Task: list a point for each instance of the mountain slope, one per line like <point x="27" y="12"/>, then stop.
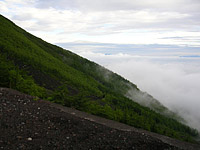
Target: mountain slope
<point x="43" y="125"/>
<point x="36" y="67"/>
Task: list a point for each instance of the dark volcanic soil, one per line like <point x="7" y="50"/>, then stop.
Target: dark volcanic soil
<point x="29" y="124"/>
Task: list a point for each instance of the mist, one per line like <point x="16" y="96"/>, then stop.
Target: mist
<point x="174" y="81"/>
<point x="171" y="84"/>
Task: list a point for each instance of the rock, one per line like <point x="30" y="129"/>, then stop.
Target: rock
<point x="19" y="137"/>
<point x="29" y="139"/>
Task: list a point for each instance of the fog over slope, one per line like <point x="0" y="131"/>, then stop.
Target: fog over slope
<point x="173" y="80"/>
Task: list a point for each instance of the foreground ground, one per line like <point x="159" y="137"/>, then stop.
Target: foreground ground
<point x="29" y="124"/>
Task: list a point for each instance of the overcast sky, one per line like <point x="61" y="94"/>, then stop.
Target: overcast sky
<point x="108" y="21"/>
<point x="153" y="43"/>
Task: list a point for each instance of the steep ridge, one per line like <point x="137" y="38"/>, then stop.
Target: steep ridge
<point x="33" y="66"/>
<point x="30" y="124"/>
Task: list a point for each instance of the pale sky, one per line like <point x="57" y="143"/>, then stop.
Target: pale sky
<point x="108" y="21"/>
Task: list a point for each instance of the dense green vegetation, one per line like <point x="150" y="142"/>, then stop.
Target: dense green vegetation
<point x="38" y="68"/>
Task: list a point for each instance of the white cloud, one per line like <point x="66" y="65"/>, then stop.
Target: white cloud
<point x="175" y="84"/>
<point x="114" y="21"/>
<point x="168" y="83"/>
<point x="3" y="7"/>
<point x="115" y="5"/>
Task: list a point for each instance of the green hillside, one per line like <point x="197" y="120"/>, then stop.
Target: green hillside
<point x="35" y="67"/>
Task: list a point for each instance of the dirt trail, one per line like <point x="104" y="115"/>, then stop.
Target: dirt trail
<point x="28" y="124"/>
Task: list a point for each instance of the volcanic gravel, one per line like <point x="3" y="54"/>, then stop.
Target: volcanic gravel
<point x="29" y="124"/>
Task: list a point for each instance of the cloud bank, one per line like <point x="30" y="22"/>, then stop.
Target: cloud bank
<point x="175" y="84"/>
